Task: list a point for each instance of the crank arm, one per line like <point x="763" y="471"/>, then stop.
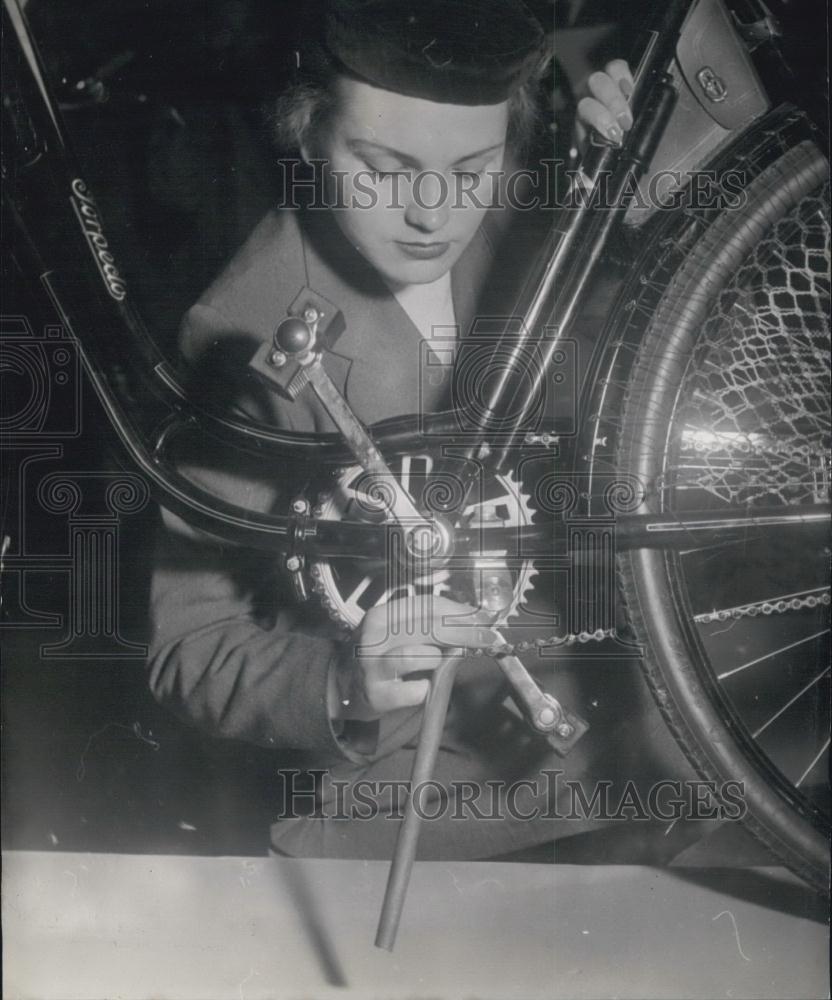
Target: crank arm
<point x="295" y="360"/>
<point x="361" y="444"/>
<point x="544" y="712"/>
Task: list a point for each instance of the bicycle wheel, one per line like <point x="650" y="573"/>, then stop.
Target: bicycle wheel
<point x="728" y="407"/>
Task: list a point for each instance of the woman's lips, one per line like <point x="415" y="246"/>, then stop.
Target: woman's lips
<point x="422" y="251"/>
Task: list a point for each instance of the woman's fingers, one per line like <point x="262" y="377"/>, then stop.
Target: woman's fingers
<point x="400" y="642"/>
<point x="398" y="663"/>
<point x="389" y="696"/>
<point x="389" y="682"/>
<point x="619" y="71"/>
<point x="607" y="91"/>
<point x="607" y="109"/>
<point x="462" y="625"/>
<point x="424" y="621"/>
<point x="595" y="114"/>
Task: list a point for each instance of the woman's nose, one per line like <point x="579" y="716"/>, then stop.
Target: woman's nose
<point x="428" y="209"/>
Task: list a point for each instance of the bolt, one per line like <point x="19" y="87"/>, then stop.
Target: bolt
<point x="293" y="335"/>
<point x="564" y="730"/>
<point x="310" y="314"/>
<point x="300" y="506"/>
<point x="277" y="359"/>
<point x="293" y="564"/>
<point x="545" y="717"/>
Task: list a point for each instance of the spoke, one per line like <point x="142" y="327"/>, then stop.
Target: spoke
<point x="790" y="702"/>
<point x="721" y="546"/>
<point x="774" y="652"/>
<point x="809" y="769"/>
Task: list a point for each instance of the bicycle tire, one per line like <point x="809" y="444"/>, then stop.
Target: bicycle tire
<point x="655" y="585"/>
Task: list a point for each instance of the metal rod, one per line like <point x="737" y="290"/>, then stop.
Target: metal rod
<point x="433" y="725"/>
<point x="671" y="531"/>
<point x="638" y="531"/>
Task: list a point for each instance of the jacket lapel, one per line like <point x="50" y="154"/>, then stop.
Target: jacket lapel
<point x="381" y="361"/>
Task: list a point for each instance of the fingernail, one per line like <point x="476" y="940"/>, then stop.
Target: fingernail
<point x="626" y="88"/>
<point x="615" y="133"/>
<point x="624" y="119"/>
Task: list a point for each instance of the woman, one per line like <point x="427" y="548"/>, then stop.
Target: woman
<point x="408" y="110"/>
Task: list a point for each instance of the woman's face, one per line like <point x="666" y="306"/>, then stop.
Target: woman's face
<point x="410" y="177"/>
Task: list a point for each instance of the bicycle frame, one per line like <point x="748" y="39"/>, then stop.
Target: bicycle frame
<point x="143" y="395"/>
<point x="145" y="400"/>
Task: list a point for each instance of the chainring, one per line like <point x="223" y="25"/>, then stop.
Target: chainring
<point x="348" y="587"/>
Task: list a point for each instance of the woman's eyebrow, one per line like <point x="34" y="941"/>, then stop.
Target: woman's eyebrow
<point x="359" y="145"/>
<point x="479" y="152"/>
<point x="364" y="145"/>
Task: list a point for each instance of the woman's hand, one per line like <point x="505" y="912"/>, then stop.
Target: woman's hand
<point x="395" y="649"/>
<point x="607" y="109"/>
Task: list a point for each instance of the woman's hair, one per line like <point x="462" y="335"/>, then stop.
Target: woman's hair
<point x="303" y="108"/>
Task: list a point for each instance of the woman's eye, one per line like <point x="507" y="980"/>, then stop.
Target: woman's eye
<point x="380" y="175"/>
<point x="468" y="175"/>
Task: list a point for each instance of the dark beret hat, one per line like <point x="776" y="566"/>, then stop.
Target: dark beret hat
<point x="451" y="51"/>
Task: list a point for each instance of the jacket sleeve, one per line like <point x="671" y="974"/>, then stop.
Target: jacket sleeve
<point x="228" y="652"/>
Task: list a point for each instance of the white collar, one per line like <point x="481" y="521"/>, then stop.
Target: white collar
<point x="430" y="306"/>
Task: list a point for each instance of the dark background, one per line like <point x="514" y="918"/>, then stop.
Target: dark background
<point x="167" y="104"/>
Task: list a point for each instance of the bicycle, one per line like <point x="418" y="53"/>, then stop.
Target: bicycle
<point x="702" y="424"/>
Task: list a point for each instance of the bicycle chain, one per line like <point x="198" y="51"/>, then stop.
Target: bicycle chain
<point x="765" y="608"/>
<point x="510" y="649"/>
<point x="752" y="610"/>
